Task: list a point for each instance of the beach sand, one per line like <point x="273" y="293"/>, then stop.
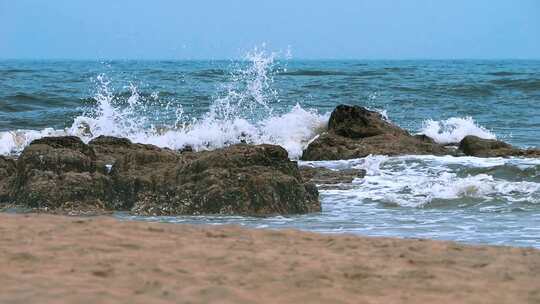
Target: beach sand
<point x="55" y="259"/>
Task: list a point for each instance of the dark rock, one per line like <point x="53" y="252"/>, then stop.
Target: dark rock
<point x="355" y="132"/>
<point x="63" y="173"/>
<point x="424" y="138"/>
<point x="54" y="172"/>
<point x="240" y="179"/>
<point x="326" y="178"/>
<point x="186" y="149"/>
<point x="7" y="176"/>
<point x="142" y="169"/>
<point x="109" y="150"/>
<point x="359" y="122"/>
<point x="476" y="146"/>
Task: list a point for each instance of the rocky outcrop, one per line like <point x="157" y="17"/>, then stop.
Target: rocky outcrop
<point x="240" y="179"/>
<point x="7" y="175"/>
<point x="355" y="132"/>
<point x="60" y="173"/>
<point x="476" y="146"/>
<point x="109" y="150"/>
<point x="326" y="178"/>
<point x="359" y="122"/>
<point x="63" y="173"/>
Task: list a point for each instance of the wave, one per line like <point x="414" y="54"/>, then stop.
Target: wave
<point x="315" y="73"/>
<point x="292" y="130"/>
<point x="243" y="112"/>
<point x="438" y="181"/>
<point x="504" y="73"/>
<point x="311" y="73"/>
<point x="21" y="102"/>
<point x="210" y="73"/>
<point x="507" y="171"/>
<point x="463" y="89"/>
<point x="23" y="97"/>
<point x="9" y="71"/>
<point x="453" y="130"/>
<point x="472" y="90"/>
<point x="519" y="84"/>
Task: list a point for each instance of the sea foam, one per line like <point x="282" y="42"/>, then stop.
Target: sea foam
<point x="242" y="112"/>
<point x="420" y="181"/>
<point x="454" y="129"/>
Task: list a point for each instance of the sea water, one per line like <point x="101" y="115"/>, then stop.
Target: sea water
<point x="266" y="98"/>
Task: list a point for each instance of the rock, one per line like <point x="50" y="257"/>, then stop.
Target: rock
<point x="330" y="146"/>
<point x="240" y="179"/>
<point x="326" y="178"/>
<point x="59" y="173"/>
<point x="7" y="176"/>
<point x="109" y="150"/>
<point x="476" y="146"/>
<point x="63" y="173"/>
<point x="355" y="132"/>
<point x="141" y="169"/>
<point x="359" y="122"/>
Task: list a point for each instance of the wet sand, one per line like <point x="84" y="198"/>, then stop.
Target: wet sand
<point x="55" y="259"/>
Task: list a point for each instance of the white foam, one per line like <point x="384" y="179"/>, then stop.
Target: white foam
<point x="13" y="142"/>
<point x="454" y="129"/>
<point x="242" y="113"/>
<point x="417" y="181"/>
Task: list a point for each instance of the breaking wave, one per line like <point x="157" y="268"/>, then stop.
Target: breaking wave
<point x="242" y="112"/>
<point x="454" y="129"/>
<point x="424" y="181"/>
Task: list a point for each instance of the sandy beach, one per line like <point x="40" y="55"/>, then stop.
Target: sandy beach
<point x="56" y="259"/>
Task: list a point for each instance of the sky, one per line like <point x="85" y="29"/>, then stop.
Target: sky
<point x="309" y="29"/>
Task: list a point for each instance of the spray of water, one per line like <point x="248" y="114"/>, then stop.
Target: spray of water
<point x="241" y="112"/>
<point x="454" y="129"/>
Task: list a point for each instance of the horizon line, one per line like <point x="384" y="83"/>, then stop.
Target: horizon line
<point x="277" y="59"/>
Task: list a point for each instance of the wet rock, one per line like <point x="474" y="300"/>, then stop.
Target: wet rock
<point x="142" y="169"/>
<point x="476" y="146"/>
<point x="355" y="132"/>
<point x="186" y="149"/>
<point x="326" y="178"/>
<point x="63" y="173"/>
<point x="424" y="138"/>
<point x="7" y="176"/>
<point x="55" y="172"/>
<point x="358" y="122"/>
<point x="109" y="150"/>
<point x="240" y="179"/>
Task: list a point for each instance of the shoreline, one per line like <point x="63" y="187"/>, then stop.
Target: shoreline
<point x="49" y="258"/>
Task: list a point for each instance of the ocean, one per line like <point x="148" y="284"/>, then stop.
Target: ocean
<point x="267" y="99"/>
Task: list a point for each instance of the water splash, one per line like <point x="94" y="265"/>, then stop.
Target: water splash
<point x="454" y="129"/>
<point x="241" y="112"/>
<point x="420" y="181"/>
<point x="250" y="93"/>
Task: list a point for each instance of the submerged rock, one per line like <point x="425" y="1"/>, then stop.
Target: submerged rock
<point x="59" y="173"/>
<point x="355" y="132"/>
<point x="476" y="146"/>
<point x="326" y="178"/>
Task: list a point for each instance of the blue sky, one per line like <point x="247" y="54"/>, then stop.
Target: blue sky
<point x="204" y="29"/>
